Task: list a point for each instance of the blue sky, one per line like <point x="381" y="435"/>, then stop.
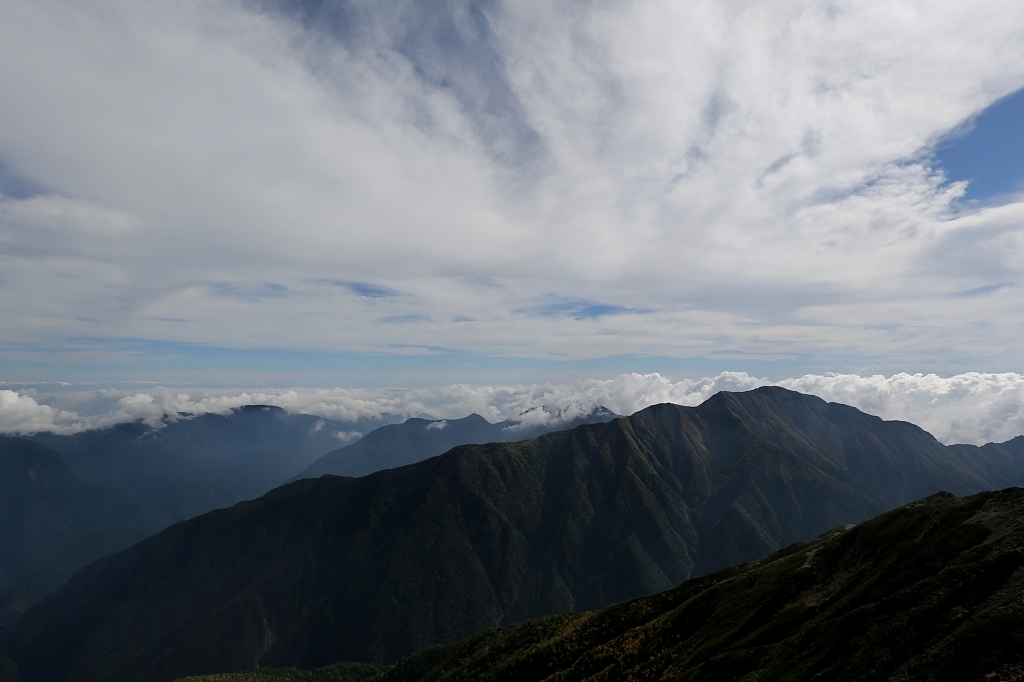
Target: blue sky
<point x="419" y="194"/>
<point x="988" y="151"/>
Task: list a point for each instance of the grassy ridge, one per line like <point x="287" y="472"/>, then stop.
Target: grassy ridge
<point x="931" y="591"/>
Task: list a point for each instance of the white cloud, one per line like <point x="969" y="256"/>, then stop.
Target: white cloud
<point x="22" y="414"/>
<point x="966" y="408"/>
<point x="720" y="175"/>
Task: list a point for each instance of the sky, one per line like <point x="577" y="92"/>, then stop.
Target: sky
<point x="365" y="195"/>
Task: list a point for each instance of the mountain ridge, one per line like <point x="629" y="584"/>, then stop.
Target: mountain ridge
<point x="416" y="439"/>
<point x="377" y="567"/>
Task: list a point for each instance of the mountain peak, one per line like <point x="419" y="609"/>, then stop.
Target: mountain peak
<point x="258" y="408"/>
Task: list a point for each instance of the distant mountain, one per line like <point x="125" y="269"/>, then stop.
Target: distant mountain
<point x="131" y="480"/>
<point x="372" y="569"/>
<point x="43" y="579"/>
<point x="1002" y="462"/>
<point x="47" y="504"/>
<point x="415" y="440"/>
<point x="191" y="465"/>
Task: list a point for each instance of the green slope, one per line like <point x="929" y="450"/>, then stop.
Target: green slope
<point x="339" y="672"/>
<point x="931" y="591"/>
<point x="373" y="569"/>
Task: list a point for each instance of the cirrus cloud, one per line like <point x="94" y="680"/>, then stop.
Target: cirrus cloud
<point x="575" y="180"/>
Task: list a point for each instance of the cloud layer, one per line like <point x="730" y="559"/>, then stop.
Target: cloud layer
<point x="967" y="408"/>
<point x="510" y="179"/>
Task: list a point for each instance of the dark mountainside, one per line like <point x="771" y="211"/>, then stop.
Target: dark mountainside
<point x="339" y="672"/>
<point x="375" y="568"/>
<point x="931" y="591"/>
<point x="418" y="439"/>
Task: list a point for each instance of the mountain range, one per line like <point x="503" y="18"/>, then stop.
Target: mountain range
<point x="373" y="569"/>
<point x="188" y="466"/>
<point x="414" y="440"/>
<point x="67" y="500"/>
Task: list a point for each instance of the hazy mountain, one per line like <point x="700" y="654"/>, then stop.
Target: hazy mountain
<point x="81" y="496"/>
<point x="396" y="445"/>
<point x="55" y="518"/>
<point x="47" y="504"/>
<point x="375" y="568"/>
<point x="25" y="591"/>
<point x="192" y="465"/>
<point x="996" y="461"/>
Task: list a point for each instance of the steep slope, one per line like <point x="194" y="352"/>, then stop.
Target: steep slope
<point x="190" y="466"/>
<point x="932" y="591"/>
<point x="372" y="569"/>
<point x="415" y="440"/>
<point x="47" y="504"/>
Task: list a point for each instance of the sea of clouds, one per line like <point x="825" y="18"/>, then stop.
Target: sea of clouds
<point x="966" y="408"/>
